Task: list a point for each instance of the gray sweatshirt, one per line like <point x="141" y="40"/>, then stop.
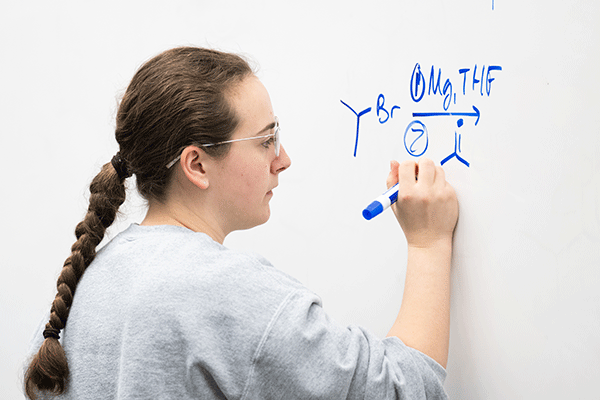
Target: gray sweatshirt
<point x="167" y="313"/>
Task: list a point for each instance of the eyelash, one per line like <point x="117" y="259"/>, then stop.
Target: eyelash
<point x="267" y="143"/>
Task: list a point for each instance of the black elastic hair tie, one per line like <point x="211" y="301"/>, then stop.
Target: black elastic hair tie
<point x="51" y="333"/>
<point x="120" y="166"/>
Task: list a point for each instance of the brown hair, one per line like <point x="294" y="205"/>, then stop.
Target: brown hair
<point x="176" y="99"/>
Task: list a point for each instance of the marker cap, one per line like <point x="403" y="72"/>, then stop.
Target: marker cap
<point x="372" y="210"/>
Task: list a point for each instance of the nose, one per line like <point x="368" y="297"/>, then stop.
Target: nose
<point x="282" y="162"/>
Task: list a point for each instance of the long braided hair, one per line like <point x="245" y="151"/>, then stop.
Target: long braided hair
<point x="176" y="99"/>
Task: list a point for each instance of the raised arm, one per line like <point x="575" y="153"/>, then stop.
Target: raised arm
<point x="427" y="210"/>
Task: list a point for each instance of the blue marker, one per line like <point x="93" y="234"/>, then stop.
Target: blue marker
<point x="381" y="203"/>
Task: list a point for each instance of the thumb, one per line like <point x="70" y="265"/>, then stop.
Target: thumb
<point x="392" y="178"/>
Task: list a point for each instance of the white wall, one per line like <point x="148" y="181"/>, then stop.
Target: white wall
<point x="526" y="269"/>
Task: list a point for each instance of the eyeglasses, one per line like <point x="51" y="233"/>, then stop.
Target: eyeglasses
<point x="275" y="135"/>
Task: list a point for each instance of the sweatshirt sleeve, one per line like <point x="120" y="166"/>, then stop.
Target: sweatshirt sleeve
<point x="304" y="354"/>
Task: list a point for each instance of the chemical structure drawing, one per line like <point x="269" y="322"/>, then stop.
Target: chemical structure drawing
<point x="457" y="147"/>
<point x="476" y="80"/>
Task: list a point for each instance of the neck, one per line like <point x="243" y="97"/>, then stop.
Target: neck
<point x="173" y="214"/>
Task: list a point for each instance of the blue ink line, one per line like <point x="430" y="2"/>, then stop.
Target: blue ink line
<point x="458" y="114"/>
<point x="412" y="151"/>
<point x="455" y="154"/>
<point x="358" y="115"/>
<point x="464" y="71"/>
<point x="414" y="86"/>
<point x="423" y="130"/>
<point x="380" y="106"/>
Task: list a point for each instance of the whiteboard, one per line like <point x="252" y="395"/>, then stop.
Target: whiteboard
<point x="508" y="87"/>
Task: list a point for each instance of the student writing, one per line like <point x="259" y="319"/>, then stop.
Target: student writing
<point x="164" y="310"/>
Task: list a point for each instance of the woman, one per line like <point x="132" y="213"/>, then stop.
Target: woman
<point x="166" y="311"/>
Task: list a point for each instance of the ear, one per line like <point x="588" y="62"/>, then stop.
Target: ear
<point x="192" y="163"/>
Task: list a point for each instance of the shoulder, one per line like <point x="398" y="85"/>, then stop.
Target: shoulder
<point x="175" y="267"/>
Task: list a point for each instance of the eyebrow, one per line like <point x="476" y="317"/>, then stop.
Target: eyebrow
<point x="266" y="128"/>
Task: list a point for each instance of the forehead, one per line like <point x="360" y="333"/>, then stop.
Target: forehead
<point x="252" y="105"/>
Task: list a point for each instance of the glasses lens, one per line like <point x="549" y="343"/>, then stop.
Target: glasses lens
<point x="277" y="140"/>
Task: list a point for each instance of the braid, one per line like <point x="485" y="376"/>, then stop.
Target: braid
<point x="178" y="98"/>
<point x="49" y="370"/>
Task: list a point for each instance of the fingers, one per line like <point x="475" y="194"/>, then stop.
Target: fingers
<point x="427" y="171"/>
<point x="440" y="176"/>
<point x="407" y="172"/>
<point x="427" y="209"/>
<point x="392" y="178"/>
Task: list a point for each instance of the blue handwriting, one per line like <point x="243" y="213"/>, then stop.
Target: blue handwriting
<point x="416" y="137"/>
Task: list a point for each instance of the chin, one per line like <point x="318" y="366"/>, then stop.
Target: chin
<point x="257" y="222"/>
<point x="265" y="218"/>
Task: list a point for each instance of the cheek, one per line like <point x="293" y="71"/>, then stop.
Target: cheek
<point x="253" y="178"/>
<point x="259" y="180"/>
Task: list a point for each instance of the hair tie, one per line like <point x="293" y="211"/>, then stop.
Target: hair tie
<point x="51" y="333"/>
<point x="120" y="166"/>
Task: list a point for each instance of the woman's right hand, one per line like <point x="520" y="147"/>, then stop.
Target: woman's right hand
<point x="427" y="208"/>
